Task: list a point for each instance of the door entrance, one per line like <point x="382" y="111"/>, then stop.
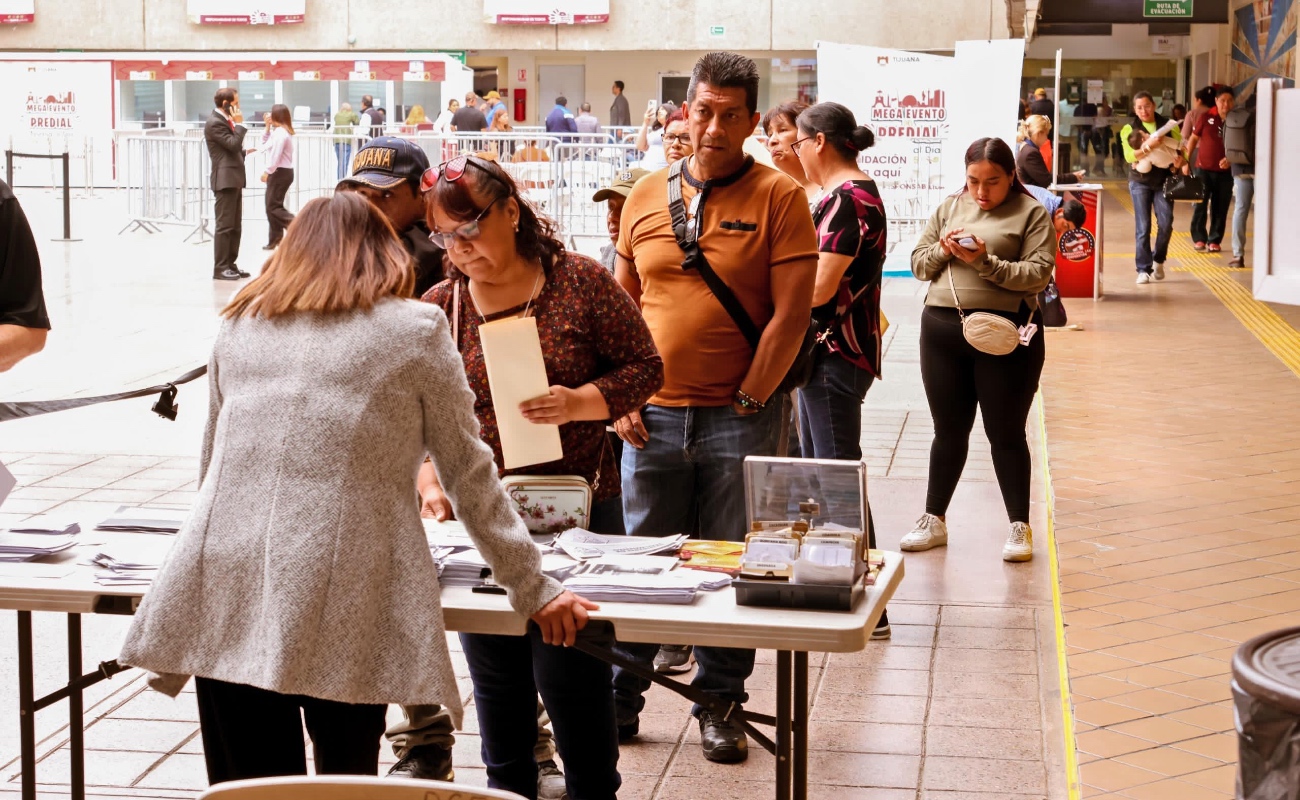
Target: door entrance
<point x="560" y="80"/>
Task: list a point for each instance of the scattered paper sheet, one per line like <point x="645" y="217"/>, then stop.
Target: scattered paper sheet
<point x="512" y="353"/>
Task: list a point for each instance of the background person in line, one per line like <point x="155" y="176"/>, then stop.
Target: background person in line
<point x="561" y="120"/>
<point x="415" y="116"/>
<point x="1011" y="261"/>
<point x="601" y="362"/>
<point x="1215" y="172"/>
<point x="684" y="469"/>
<point x="469" y="118"/>
<point x="677" y="138"/>
<point x="24" y="321"/>
<point x="779" y="127"/>
<point x="277" y="148"/>
<point x="851" y="236"/>
<point x="296" y="465"/>
<point x="224" y="134"/>
<point x="443" y="123"/>
<point x="1147" y="191"/>
<point x="372" y="120"/>
<point x="492" y="105"/>
<point x="586" y="121"/>
<point x="345" y="122"/>
<point x="650" y="139"/>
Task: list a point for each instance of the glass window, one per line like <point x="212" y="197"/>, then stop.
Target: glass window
<point x="308" y="102"/>
<point x="197" y="100"/>
<point x="255" y="98"/>
<point x="792" y="79"/>
<point x="142" y="102"/>
<point x="426" y="94"/>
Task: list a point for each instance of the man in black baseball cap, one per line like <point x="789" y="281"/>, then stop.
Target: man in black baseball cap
<point x="387" y="171"/>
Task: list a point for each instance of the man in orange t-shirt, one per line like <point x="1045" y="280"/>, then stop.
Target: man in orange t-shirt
<point x="683" y="470"/>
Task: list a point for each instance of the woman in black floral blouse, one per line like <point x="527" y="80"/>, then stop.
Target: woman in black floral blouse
<point x="601" y="363"/>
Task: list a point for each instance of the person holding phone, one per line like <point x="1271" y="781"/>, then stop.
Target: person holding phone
<point x="224" y="135"/>
<point x="650" y="140"/>
<point x="989" y="248"/>
<point x="277" y="146"/>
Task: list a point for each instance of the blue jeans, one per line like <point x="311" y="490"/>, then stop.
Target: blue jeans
<point x="1245" y="186"/>
<point x="830" y="408"/>
<point x="689" y="478"/>
<point x="508" y="673"/>
<point x="343" y="150"/>
<point x="1214" y="208"/>
<point x="1144" y="198"/>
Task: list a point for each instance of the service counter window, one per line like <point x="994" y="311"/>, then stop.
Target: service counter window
<point x="255" y="99"/>
<point x="142" y="104"/>
<point x="792" y="79"/>
<point x="408" y="94"/>
<point x="353" y="91"/>
<point x="195" y="100"/>
<point x="309" y="103"/>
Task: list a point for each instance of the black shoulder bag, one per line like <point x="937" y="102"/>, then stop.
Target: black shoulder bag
<point x="800" y="371"/>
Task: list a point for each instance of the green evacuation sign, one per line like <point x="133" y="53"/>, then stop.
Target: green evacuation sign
<point x="1167" y="9"/>
<point x="717" y="30"/>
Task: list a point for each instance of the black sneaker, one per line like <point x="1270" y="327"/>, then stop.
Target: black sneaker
<point x="427" y="762"/>
<point x="722" y="741"/>
<point x="228" y="275"/>
<point x="243" y="274"/>
<point x="550" y="781"/>
<point x="882" y="630"/>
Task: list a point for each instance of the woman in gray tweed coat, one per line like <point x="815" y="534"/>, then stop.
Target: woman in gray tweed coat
<point x="301" y="586"/>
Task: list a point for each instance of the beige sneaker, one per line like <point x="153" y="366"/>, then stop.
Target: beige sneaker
<point x="930" y="531"/>
<point x="1020" y="543"/>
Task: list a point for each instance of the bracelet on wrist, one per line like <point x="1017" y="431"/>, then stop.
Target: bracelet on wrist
<point x="747" y="402"/>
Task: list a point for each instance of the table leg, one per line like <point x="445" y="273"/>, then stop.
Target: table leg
<point x="26" y="705"/>
<point x="783" y="693"/>
<point x="800" y="746"/>
<point x="76" y="715"/>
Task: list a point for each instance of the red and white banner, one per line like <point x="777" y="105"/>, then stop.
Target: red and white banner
<point x="13" y="12"/>
<point x="246" y="12"/>
<point x="546" y="12"/>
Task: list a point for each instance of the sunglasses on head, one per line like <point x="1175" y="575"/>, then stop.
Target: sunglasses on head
<point x="451" y="171"/>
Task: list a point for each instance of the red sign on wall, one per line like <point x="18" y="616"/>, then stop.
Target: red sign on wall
<point x="280" y="70"/>
<point x="15" y="12"/>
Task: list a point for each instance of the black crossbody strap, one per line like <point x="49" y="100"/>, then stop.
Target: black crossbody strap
<point x="695" y="256"/>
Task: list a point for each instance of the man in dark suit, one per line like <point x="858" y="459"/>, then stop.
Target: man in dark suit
<point x="224" y="136"/>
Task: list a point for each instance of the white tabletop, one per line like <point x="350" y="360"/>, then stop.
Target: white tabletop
<point x="64" y="585"/>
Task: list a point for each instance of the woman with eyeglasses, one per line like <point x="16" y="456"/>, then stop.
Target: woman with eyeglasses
<point x="506" y="261"/>
<point x="677" y="138"/>
<point x="302" y="585"/>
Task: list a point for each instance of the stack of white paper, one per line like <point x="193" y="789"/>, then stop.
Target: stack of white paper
<point x="584" y="545"/>
<point x="462" y="568"/>
<point x="139" y="519"/>
<point x="641" y="579"/>
<point x="31" y="546"/>
<point x="133" y="563"/>
<point x="46" y="524"/>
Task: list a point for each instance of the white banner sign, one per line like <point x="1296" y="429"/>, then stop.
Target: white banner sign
<point x="13" y="12"/>
<point x="546" y="12"/>
<point x="246" y="12"/>
<point x="925" y="110"/>
<point x="60" y="106"/>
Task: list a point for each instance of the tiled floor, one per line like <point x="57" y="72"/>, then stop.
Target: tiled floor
<point x="1173" y="466"/>
<point x="1172" y="458"/>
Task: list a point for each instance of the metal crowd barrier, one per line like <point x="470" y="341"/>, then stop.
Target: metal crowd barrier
<point x="167" y="177"/>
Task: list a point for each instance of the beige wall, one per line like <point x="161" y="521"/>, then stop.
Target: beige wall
<point x="635" y="25"/>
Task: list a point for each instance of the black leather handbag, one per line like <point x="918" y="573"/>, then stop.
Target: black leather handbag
<point x="1188" y="188"/>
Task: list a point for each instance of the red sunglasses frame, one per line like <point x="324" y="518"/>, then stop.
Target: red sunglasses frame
<point x="450" y="170"/>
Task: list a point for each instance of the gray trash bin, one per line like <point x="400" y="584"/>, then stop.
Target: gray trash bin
<point x="1266" y="696"/>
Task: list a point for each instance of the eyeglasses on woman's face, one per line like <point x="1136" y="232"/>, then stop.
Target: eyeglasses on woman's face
<point x="671" y="139"/>
<point x="468" y="232"/>
<point x="798" y="143"/>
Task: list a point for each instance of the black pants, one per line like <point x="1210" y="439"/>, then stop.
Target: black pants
<point x="255" y="733"/>
<point x="229" y="212"/>
<point x="277" y="216"/>
<point x="957" y="378"/>
<point x="508" y="673"/>
<point x="1214" y="208"/>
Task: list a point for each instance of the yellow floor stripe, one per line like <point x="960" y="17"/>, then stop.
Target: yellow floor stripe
<point x="1067" y="706"/>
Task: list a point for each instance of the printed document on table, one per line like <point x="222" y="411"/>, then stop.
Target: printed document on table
<point x="512" y="353"/>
